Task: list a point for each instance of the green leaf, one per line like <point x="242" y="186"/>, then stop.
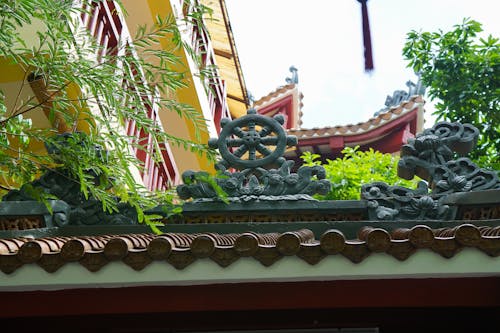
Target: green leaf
<point x="462" y="73"/>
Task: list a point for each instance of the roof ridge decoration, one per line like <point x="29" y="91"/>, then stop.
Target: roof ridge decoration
<point x="291" y="82"/>
<point x="71" y="206"/>
<point x="294" y="79"/>
<point x="399" y="96"/>
<point x="275" y="93"/>
<point x="430" y="155"/>
<point x="252" y="167"/>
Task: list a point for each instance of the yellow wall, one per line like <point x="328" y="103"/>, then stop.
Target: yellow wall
<point x="140" y="12"/>
<point x="143" y="12"/>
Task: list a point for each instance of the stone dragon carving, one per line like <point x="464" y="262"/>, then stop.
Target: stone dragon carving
<point x="431" y="156"/>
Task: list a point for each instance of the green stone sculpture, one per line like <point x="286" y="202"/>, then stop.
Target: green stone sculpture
<point x="431" y="155"/>
<point x="243" y="134"/>
<point x="60" y="184"/>
<point x="253" y="167"/>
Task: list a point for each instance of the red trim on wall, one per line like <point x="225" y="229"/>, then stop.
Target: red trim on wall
<point x="396" y="293"/>
<point x="283" y="106"/>
<point x="391" y="143"/>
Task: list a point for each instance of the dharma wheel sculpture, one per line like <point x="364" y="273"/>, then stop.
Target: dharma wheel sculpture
<point x="252" y="167"/>
<point x="243" y="133"/>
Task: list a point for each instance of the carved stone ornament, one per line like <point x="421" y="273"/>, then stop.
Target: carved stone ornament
<point x="253" y="167"/>
<point x="431" y="156"/>
<point x="395" y="202"/>
<point x="399" y="96"/>
<point x="59" y="183"/>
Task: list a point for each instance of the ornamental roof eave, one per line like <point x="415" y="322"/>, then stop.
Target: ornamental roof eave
<point x="381" y="120"/>
<point x="286" y="100"/>
<point x="278" y="92"/>
<point x="179" y="250"/>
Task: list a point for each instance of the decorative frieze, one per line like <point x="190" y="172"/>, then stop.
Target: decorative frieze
<point x="21" y="223"/>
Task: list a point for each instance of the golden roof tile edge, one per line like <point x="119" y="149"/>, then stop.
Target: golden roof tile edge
<point x="236" y="58"/>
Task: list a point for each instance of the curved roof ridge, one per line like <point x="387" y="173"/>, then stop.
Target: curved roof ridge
<point x="361" y="127"/>
<point x="275" y="93"/>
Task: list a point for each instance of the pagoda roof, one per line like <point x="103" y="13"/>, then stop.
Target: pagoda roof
<point x="286" y="100"/>
<point x="372" y="124"/>
<point x="278" y="92"/>
<point x="385" y="132"/>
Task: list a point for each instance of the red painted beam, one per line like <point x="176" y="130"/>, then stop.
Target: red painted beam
<point x="396" y="293"/>
<point x="395" y="125"/>
<point x="391" y="143"/>
<point x="285" y="104"/>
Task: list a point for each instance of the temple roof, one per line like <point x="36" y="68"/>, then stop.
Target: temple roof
<point x="362" y="127"/>
<point x="180" y="250"/>
<point x="268" y="217"/>
<point x="386" y="132"/>
<point x="275" y="93"/>
<point x="285" y="100"/>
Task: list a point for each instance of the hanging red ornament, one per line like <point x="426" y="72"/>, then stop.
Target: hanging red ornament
<point x="367" y="41"/>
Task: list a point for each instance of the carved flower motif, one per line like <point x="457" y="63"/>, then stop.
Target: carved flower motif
<point x="421" y="207"/>
<point x="275" y="178"/>
<point x="374" y="192"/>
<point x="425" y="203"/>
<point x="455" y="183"/>
<point x="427" y="142"/>
<point x="323" y="186"/>
<point x="183" y="192"/>
<point x="253" y="187"/>
<point x="231" y="184"/>
<point x="386" y="213"/>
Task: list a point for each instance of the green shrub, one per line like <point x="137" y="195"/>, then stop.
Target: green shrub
<point x="356" y="168"/>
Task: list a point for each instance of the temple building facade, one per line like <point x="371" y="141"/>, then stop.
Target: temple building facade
<point x="269" y="257"/>
<point x="219" y="94"/>
<point x="253" y="250"/>
<point x="390" y="127"/>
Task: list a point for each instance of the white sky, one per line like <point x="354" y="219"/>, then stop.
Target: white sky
<point x="323" y="39"/>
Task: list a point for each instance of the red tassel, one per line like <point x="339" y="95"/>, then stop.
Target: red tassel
<point x="367" y="41"/>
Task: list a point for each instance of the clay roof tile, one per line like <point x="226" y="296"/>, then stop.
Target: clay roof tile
<point x="392" y="114"/>
<point x="181" y="249"/>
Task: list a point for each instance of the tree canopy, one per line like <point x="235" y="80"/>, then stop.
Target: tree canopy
<point x="461" y="70"/>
